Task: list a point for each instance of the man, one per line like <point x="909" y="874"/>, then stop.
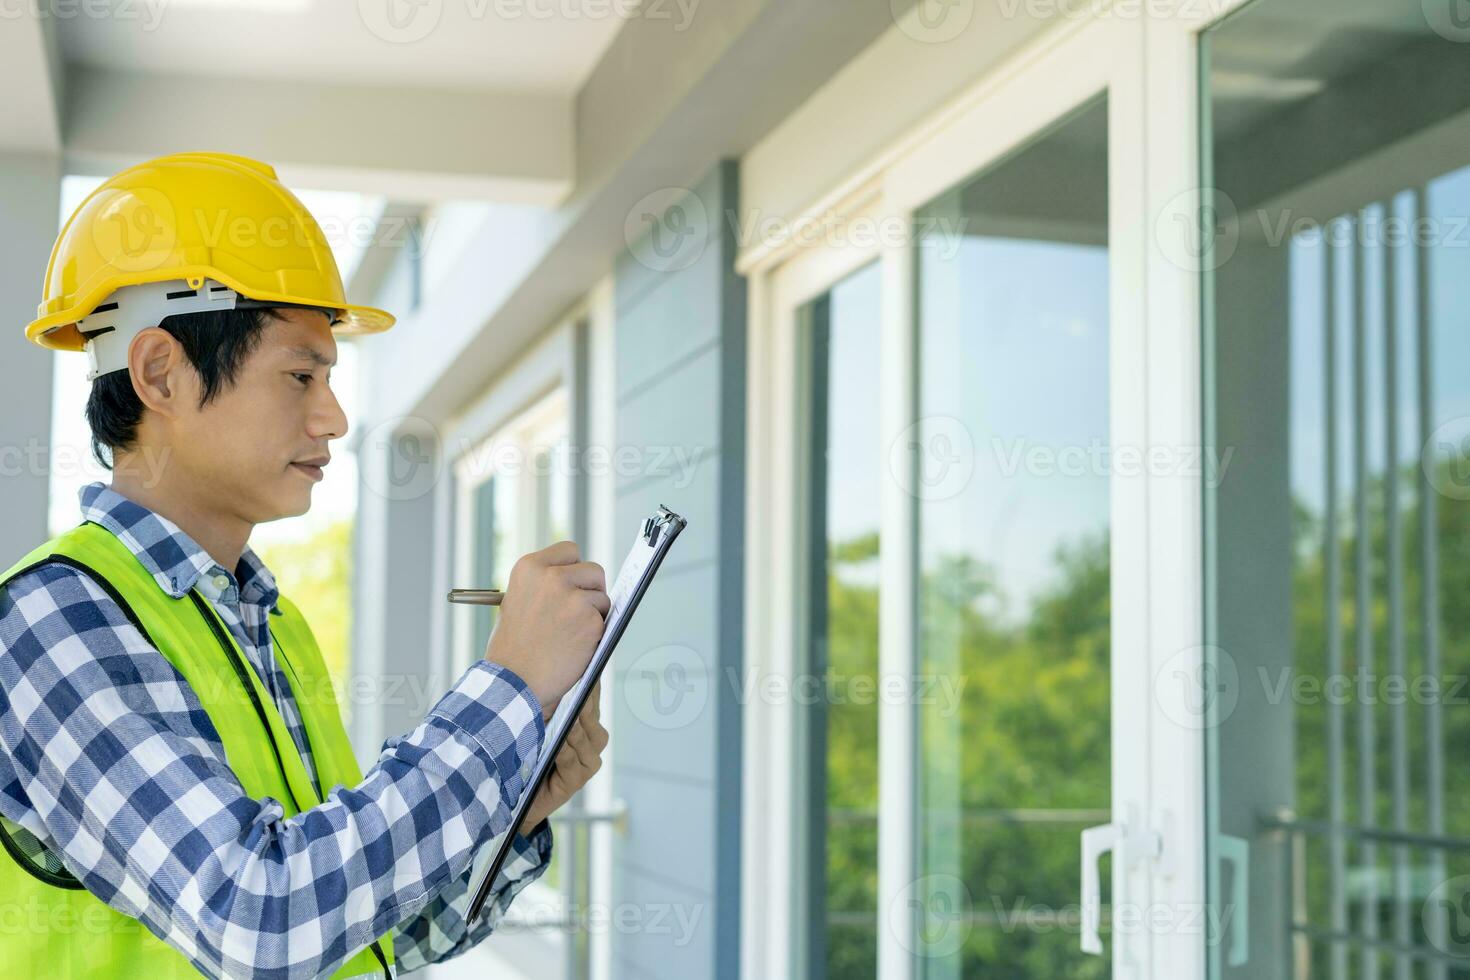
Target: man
<point x="177" y="792"/>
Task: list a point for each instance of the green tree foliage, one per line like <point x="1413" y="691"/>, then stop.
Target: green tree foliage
<point x="316" y="574"/>
<point x="1030" y="731"/>
<point x="852" y="759"/>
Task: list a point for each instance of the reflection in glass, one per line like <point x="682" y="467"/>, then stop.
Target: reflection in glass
<point x="1337" y="294"/>
<point x="523" y="506"/>
<point x="492" y="517"/>
<point x="1014" y="623"/>
<point x="839" y="334"/>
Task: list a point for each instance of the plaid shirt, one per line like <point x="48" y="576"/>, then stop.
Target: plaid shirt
<point x="108" y="758"/>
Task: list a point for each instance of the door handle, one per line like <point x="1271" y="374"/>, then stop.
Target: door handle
<point x="1131" y="846"/>
<point x="1096" y="841"/>
<point x="1236" y="852"/>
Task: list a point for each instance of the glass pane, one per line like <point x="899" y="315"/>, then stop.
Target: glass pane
<point x="840" y="333"/>
<point x="1337" y="283"/>
<point x="523" y="506"/>
<point x="488" y="552"/>
<point x="558" y="492"/>
<point x="1014" y="627"/>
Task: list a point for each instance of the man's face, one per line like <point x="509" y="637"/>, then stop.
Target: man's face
<point x="259" y="446"/>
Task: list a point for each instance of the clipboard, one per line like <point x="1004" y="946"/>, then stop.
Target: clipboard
<point x="655" y="536"/>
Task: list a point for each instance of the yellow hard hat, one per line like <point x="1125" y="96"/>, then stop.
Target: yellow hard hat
<point x="206" y="221"/>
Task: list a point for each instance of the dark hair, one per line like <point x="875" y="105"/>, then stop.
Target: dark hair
<point x="216" y="343"/>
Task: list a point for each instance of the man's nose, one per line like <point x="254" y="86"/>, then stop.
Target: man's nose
<point x="329" y="421"/>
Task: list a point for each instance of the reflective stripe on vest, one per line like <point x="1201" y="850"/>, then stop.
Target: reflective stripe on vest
<point x="50" y="925"/>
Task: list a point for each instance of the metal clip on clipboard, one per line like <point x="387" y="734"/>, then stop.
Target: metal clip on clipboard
<point x="656" y="535"/>
<point x="653" y="526"/>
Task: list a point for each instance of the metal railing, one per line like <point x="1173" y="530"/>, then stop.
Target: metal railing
<point x="573" y="823"/>
<point x="971" y="817"/>
<point x="1405" y="952"/>
<point x="1382" y="265"/>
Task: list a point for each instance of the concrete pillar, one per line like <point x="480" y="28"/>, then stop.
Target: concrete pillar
<point x="394" y="680"/>
<point x="30" y="195"/>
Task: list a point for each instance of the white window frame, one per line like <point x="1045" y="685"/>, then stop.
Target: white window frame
<point x="771" y="905"/>
<point x="1145" y="57"/>
<point x="1174" y="595"/>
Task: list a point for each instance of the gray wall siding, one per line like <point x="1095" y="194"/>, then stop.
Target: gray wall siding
<point x="676" y="747"/>
<point x="30" y="194"/>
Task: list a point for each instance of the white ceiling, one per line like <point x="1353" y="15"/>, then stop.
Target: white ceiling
<point x="418" y="100"/>
<point x="532" y="46"/>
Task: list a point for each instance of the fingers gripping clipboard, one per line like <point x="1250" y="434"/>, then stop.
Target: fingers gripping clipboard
<point x="655" y="536"/>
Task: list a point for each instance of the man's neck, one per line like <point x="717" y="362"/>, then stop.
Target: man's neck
<point x="223" y="536"/>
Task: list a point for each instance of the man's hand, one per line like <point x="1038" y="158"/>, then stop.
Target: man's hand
<point x="579" y="758"/>
<point x="550" y="620"/>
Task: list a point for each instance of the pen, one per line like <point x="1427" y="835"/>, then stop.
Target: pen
<point x="477" y="597"/>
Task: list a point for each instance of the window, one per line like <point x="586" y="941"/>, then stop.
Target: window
<point x="843" y="459"/>
<point x="515" y="496"/>
<point x="1337" y="282"/>
<point x="515" y="493"/>
<point x="1014" y="613"/>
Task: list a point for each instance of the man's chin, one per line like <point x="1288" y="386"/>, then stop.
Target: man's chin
<point x="297" y="512"/>
<point x="301" y="503"/>
<point x="292" y="501"/>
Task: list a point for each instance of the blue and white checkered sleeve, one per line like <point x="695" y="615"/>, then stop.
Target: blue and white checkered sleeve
<point x="108" y="757"/>
<point x="440" y="931"/>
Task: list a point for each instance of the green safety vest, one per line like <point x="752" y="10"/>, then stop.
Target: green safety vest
<point x="50" y="925"/>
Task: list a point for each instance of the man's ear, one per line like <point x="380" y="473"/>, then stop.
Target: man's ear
<point x="158" y="368"/>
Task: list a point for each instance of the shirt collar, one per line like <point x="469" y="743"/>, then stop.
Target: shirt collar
<point x="174" y="559"/>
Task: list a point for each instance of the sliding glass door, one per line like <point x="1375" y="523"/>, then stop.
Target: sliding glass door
<point x="842" y="463"/>
<point x="1337" y="291"/>
<point x="1012" y="495"/>
<point x="937" y="391"/>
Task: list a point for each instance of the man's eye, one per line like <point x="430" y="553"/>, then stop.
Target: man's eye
<point x="303" y="378"/>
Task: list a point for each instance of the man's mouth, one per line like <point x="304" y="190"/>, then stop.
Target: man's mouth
<point x="312" y="468"/>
